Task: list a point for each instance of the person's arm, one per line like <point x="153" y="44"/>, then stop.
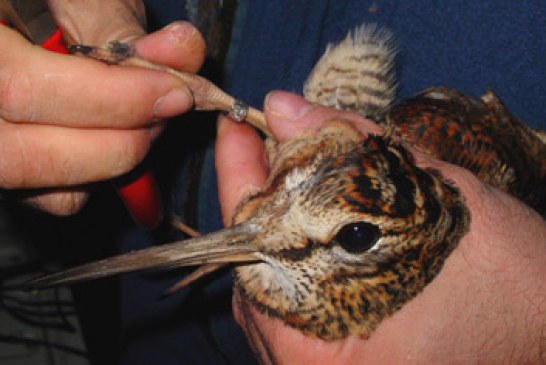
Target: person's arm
<point x="67" y="121"/>
<point x="487" y="305"/>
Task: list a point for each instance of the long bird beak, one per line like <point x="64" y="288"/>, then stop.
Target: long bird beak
<point x="229" y="245"/>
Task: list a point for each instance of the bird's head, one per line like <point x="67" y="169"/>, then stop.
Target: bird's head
<point x="347" y="230"/>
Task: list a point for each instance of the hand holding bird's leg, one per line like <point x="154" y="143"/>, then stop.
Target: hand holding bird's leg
<point x="206" y="95"/>
<point x="51" y="155"/>
<point x="470" y="311"/>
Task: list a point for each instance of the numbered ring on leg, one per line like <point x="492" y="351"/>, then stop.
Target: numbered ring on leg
<point x="238" y="111"/>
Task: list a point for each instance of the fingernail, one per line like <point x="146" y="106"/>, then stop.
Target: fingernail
<point x="175" y="102"/>
<point x="286" y="105"/>
<point x="181" y="30"/>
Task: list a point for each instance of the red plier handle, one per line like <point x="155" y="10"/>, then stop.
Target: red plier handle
<point x="138" y="189"/>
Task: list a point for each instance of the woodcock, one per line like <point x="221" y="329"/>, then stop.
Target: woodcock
<point x="347" y="228"/>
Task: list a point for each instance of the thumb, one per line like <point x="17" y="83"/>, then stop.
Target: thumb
<point x="288" y="114"/>
<point x="178" y="45"/>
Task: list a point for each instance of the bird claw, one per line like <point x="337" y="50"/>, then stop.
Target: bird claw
<point x="116" y="52"/>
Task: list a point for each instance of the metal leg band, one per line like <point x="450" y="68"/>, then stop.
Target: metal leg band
<point x="238" y="111"/>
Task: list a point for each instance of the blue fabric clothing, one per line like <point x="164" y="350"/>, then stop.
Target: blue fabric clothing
<point x="470" y="46"/>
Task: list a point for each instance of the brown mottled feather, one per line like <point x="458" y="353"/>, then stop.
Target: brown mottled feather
<point x="480" y="135"/>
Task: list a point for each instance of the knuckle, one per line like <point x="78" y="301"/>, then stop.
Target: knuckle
<point x="13" y="165"/>
<point x="15" y="96"/>
<point x="26" y="163"/>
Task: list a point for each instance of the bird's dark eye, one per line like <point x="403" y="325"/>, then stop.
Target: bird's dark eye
<point x="357" y="237"/>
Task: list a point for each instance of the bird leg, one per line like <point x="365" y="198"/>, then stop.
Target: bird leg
<point x="197" y="273"/>
<point x="206" y="95"/>
<point x="184" y="228"/>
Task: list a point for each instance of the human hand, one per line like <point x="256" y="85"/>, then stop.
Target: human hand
<point x="487" y="304"/>
<point x="67" y="121"/>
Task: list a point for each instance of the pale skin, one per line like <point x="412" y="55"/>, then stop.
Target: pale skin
<point x="67" y="121"/>
<point x="487" y="306"/>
